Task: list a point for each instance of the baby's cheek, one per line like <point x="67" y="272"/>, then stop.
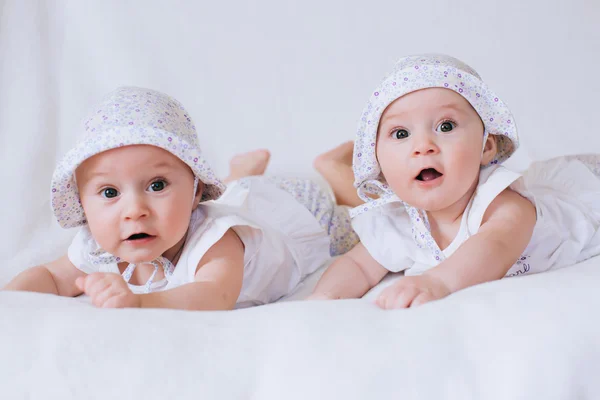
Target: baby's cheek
<point x="102" y="226"/>
<point x="469" y="165"/>
<point x="178" y="219"/>
<point x="398" y="186"/>
<point x="393" y="175"/>
<point x="104" y="235"/>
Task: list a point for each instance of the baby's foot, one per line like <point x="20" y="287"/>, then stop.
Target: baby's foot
<point x="341" y="154"/>
<point x="336" y="167"/>
<point x="248" y="164"/>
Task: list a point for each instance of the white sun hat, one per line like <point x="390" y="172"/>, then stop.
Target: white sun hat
<point x="410" y="74"/>
<point x="130" y="116"/>
<point x="414" y="73"/>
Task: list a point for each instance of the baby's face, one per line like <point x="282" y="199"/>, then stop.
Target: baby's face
<point x="429" y="147"/>
<point x="137" y="201"/>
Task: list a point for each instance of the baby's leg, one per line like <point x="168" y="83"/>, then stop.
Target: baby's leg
<point x="333" y="218"/>
<point x="343" y="238"/>
<point x="336" y="167"/>
<point x="248" y="164"/>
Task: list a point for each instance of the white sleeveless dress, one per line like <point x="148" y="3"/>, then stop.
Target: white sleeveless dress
<point x="285" y="239"/>
<point x="565" y="192"/>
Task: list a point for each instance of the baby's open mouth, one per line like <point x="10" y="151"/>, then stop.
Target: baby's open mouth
<point x="137" y="236"/>
<point x="428" y="174"/>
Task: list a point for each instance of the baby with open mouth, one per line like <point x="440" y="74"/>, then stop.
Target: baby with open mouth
<point x="434" y="200"/>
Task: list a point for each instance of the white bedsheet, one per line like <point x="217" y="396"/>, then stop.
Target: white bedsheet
<point x="292" y="77"/>
<point x="535" y="337"/>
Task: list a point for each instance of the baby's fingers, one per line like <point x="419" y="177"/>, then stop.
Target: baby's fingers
<point x="404" y="298"/>
<point x="422" y="298"/>
<point x="396" y="297"/>
<point x="94" y="283"/>
<point x="384" y="296"/>
<point x="101" y="298"/>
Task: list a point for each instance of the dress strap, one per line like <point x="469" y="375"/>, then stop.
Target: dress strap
<point x="492" y="181"/>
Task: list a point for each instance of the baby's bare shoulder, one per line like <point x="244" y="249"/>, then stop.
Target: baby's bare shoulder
<point x="510" y="206"/>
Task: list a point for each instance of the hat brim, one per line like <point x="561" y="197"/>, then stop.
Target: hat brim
<point x="65" y="201"/>
<point x="495" y="115"/>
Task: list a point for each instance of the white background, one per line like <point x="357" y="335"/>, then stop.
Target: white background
<point x="291" y="76"/>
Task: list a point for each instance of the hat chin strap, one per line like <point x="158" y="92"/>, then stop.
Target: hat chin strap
<point x="167" y="266"/>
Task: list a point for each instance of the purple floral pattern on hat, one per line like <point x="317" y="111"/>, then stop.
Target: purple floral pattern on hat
<point x="130" y="116"/>
<point x="420" y="72"/>
<point x="410" y="74"/>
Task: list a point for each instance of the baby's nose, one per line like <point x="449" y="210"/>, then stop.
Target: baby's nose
<point x="425" y="145"/>
<point x="136" y="207"/>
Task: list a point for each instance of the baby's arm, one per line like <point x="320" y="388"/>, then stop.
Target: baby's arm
<point x="504" y="234"/>
<point x="350" y="276"/>
<point x="57" y="277"/>
<point x="217" y="283"/>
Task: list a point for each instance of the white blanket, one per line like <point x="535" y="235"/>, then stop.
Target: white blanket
<point x="535" y="337"/>
<point x="292" y="77"/>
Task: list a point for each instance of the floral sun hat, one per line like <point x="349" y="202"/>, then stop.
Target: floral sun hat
<point x="130" y="116"/>
<point x="410" y="74"/>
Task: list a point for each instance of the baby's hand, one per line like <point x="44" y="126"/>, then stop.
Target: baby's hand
<point x="411" y="291"/>
<point x="108" y="290"/>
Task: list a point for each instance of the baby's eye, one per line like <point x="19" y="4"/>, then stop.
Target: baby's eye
<point x="110" y="193"/>
<point x="157" y="186"/>
<point x="400" y="134"/>
<point x="446" y="126"/>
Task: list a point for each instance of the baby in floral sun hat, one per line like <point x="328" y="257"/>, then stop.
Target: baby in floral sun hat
<point x="435" y="201"/>
<point x="157" y="228"/>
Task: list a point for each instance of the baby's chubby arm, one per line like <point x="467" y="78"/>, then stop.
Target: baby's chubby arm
<point x="350" y="276"/>
<point x="504" y="234"/>
<point x="57" y="277"/>
<point x="217" y="283"/>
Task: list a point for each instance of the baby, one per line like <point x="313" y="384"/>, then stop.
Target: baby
<point x="159" y="229"/>
<point x="439" y="205"/>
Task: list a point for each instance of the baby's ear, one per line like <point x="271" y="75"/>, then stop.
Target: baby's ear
<point x="199" y="192"/>
<point x="490" y="149"/>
